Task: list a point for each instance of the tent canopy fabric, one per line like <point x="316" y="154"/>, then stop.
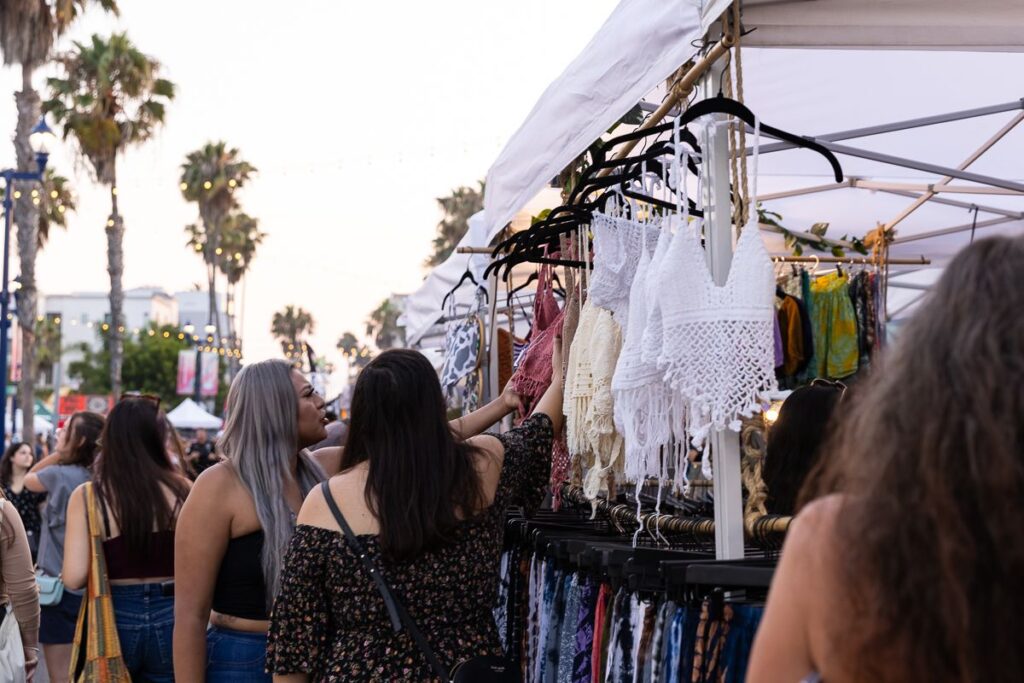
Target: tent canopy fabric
<point x="422" y="308"/>
<point x="813" y="92"/>
<point x="191" y="415"/>
<point x="638" y="47"/>
<point x="976" y="25"/>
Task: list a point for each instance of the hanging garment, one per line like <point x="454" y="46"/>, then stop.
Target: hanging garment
<point x="719" y="351"/>
<point x="505" y="357"/>
<point x="462" y="350"/>
<point x="587" y="402"/>
<point x="835" y="327"/>
<point x="777" y="339"/>
<point x="533" y="374"/>
<point x="617" y="246"/>
<point x="644" y="405"/>
<point x="791" y="324"/>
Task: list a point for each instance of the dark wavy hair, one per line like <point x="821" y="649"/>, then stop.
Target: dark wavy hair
<point x="422" y="481"/>
<point x="930" y="465"/>
<point x="134" y="469"/>
<point x="7" y="462"/>
<point x="795" y="443"/>
<point x="86" y="426"/>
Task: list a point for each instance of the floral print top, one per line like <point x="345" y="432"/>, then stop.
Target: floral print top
<point x="329" y="621"/>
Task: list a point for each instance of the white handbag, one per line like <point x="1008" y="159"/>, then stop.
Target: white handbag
<point x="12" y="654"/>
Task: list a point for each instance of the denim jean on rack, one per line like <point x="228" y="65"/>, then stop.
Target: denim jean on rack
<point x="738" y="643"/>
<point x="553" y="644"/>
<point x="570" y="623"/>
<point x="549" y="586"/>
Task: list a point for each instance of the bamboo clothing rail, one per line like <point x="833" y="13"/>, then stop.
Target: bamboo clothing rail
<point x="760" y="529"/>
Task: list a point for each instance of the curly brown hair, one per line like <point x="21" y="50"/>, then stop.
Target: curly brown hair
<point x="930" y="462"/>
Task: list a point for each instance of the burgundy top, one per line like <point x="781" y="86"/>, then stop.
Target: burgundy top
<point x="121" y="564"/>
<point x="159" y="561"/>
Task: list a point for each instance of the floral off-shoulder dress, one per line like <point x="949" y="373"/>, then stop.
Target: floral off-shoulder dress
<point x="329" y="621"/>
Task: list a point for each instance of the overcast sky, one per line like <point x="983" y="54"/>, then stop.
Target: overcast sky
<point x="357" y="115"/>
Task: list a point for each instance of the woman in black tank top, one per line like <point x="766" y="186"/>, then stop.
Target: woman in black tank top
<point x="239" y="519"/>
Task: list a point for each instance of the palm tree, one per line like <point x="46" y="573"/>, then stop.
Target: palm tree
<point x="289" y="326"/>
<point x="210" y="177"/>
<point x="382" y="325"/>
<point x="108" y="98"/>
<point x="355" y="352"/>
<point x="28" y="30"/>
<point x="54" y="201"/>
<point x="462" y="203"/>
<point x="240" y="236"/>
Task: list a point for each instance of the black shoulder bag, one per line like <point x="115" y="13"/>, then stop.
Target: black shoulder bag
<point x="473" y="670"/>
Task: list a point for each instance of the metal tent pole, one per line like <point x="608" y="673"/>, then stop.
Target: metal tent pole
<point x="725" y="444"/>
<point x="903" y="125"/>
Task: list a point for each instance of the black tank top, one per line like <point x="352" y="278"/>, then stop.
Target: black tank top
<point x="240" y="590"/>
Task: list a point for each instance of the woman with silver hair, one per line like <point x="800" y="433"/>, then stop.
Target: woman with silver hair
<point x="236" y="524"/>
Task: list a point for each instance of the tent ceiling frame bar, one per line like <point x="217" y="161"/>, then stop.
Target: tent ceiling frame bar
<point x="909" y="285"/>
<point x="986" y="146"/>
<point x="933" y="188"/>
<point x="919" y="165"/>
<point x="903" y="125"/>
<point x="953" y="230"/>
<point x="959" y="204"/>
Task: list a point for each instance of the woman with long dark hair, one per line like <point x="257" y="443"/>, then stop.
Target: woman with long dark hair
<point x="428" y="505"/>
<point x="138" y="494"/>
<point x="57" y="475"/>
<point x="796" y="442"/>
<point x="14" y="466"/>
<point x="907" y="565"/>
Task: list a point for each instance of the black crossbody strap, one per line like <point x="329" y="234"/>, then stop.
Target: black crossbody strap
<point x="396" y="610"/>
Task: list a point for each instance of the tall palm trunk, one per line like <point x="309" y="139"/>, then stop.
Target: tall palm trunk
<point x="26" y="215"/>
<point x="212" y="242"/>
<point x="115" y="267"/>
<point x="229" y="303"/>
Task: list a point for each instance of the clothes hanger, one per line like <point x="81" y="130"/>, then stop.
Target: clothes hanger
<point x="724" y="105"/>
<point x="468" y="275"/>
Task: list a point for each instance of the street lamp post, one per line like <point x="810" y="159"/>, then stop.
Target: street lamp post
<point x="190" y="331"/>
<point x="40" y="139"/>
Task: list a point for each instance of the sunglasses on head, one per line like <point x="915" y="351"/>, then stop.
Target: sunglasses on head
<point x="131" y="395"/>
<point x="830" y="383"/>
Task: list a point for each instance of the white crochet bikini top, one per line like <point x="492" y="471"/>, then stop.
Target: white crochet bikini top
<point x="718" y="350"/>
<point x="617" y="242"/>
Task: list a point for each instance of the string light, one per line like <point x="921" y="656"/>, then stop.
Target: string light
<point x="17" y="194"/>
<point x="105" y="327"/>
<point x="181" y="336"/>
<point x="110" y="223"/>
<point x="113" y="191"/>
<point x="60" y="208"/>
<point x="167" y="335"/>
<point x="35" y="201"/>
<point x="219" y="251"/>
<point x="184" y="186"/>
<point x="199" y="247"/>
<point x="207" y="185"/>
<point x="35" y="193"/>
<point x="54" y="194"/>
<point x="56" y="320"/>
<point x="232" y="182"/>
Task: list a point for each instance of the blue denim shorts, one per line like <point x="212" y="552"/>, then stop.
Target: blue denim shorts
<point x="145" y="625"/>
<point x="236" y="657"/>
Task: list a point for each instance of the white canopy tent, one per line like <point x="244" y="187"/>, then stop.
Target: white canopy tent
<point x="191" y="415"/>
<point x="916" y="59"/>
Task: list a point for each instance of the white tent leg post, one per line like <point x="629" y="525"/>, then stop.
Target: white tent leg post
<point x="725" y="445"/>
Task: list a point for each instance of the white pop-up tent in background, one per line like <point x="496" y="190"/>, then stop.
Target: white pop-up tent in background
<point x="191" y="415"/>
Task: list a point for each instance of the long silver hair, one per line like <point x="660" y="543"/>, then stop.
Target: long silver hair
<point x="260" y="437"/>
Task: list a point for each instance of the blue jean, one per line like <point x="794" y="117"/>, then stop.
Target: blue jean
<point x="236" y="657"/>
<point x="145" y="624"/>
